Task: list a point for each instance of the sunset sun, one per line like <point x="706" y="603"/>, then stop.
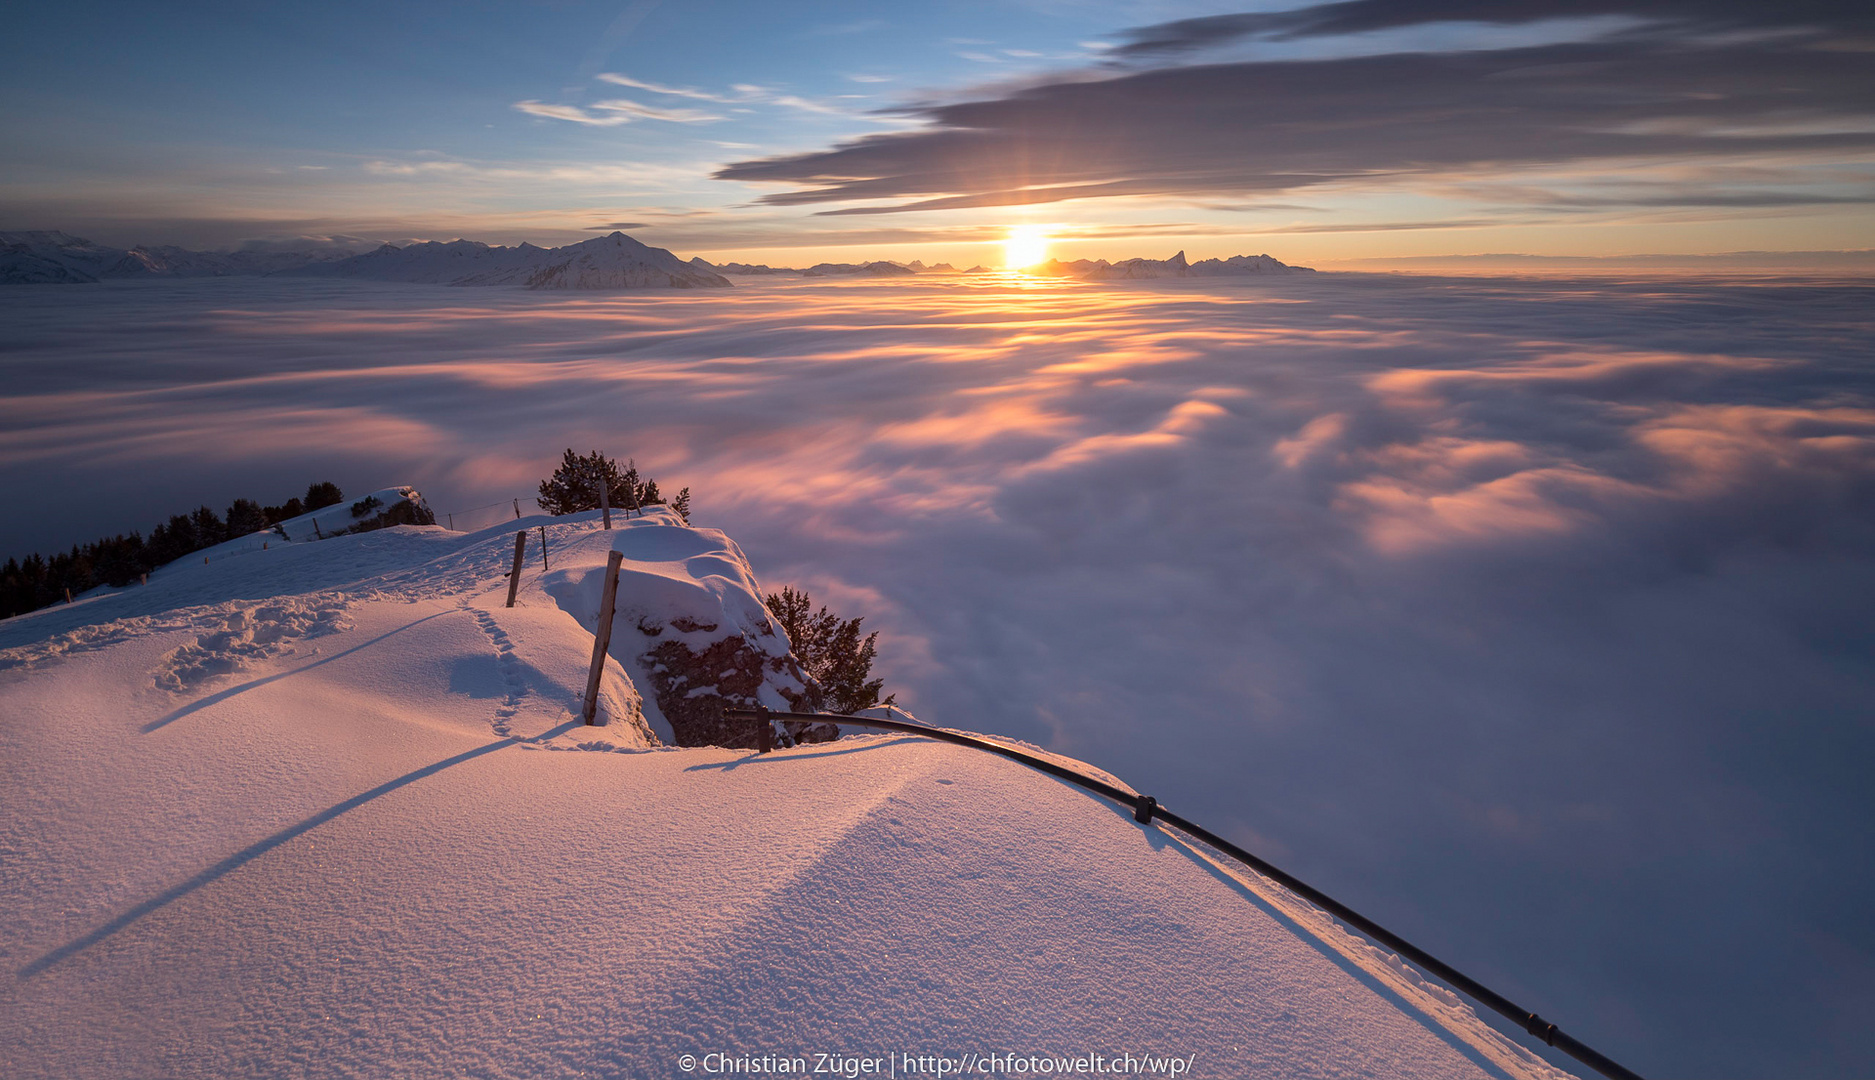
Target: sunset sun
<point x="1026" y="246"/>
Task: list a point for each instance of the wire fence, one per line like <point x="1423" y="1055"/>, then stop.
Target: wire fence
<point x="475" y="518"/>
<point x="1146" y="809"/>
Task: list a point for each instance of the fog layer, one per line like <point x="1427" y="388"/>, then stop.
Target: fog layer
<point x="1530" y="617"/>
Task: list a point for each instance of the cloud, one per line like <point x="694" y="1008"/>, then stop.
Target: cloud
<point x="742" y="94"/>
<point x="571" y="113"/>
<point x="612" y="225"/>
<point x="1527" y="615"/>
<point x="534" y="171"/>
<point x="1371" y="121"/>
<point x="1679" y="17"/>
<point x="614" y="111"/>
<point x="628" y="107"/>
<point x="659" y="88"/>
<point x="795" y="101"/>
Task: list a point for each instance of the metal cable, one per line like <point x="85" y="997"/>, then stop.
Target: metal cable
<point x="1145" y="808"/>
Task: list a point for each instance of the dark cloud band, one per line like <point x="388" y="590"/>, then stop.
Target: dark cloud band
<point x="1266" y="126"/>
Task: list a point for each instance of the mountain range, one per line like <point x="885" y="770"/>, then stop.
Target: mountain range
<point x="1174" y="267"/>
<point x="605" y="263"/>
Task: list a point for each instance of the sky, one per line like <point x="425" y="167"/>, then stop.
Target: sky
<point x="1526" y="615"/>
<point x="790" y="133"/>
<point x="1525" y="612"/>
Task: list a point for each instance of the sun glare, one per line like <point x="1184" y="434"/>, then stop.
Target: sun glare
<point x="1026" y="246"/>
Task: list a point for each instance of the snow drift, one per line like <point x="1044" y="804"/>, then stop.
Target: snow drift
<point x="325" y="809"/>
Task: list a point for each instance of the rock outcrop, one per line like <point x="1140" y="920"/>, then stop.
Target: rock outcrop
<point x="692" y="630"/>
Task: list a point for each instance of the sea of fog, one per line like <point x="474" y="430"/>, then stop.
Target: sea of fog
<point x="1531" y="616"/>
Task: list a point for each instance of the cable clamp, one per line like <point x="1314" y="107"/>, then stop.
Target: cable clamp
<point x="1144" y="806"/>
<point x="1541" y="1028"/>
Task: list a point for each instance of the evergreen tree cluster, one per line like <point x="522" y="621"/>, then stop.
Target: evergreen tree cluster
<point x="576" y="484"/>
<point x="38" y="581"/>
<point x="832" y="651"/>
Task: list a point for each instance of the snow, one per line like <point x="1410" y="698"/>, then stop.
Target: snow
<point x="326" y="809"/>
<point x="315" y="525"/>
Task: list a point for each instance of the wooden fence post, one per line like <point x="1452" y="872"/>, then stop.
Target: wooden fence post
<point x="517" y="509"/>
<point x="514" y="576"/>
<point x="543" y="547"/>
<point x="602" y="634"/>
<point x="605" y="500"/>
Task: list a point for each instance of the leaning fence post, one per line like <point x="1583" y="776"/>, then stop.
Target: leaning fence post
<point x="602" y="634"/>
<point x="514" y="576"/>
<point x="543" y="547"/>
<point x="517" y="509"/>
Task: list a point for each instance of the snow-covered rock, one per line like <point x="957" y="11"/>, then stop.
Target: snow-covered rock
<point x="691" y="625"/>
<point x="1244" y="264"/>
<point x="619" y="262"/>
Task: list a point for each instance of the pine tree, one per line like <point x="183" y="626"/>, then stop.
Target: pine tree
<point x="626" y="492"/>
<point x="322" y="494"/>
<point x="681" y="504"/>
<point x="572" y="486"/>
<point x="292" y="508"/>
<point x="209" y="529"/>
<point x="831" y="650"/>
<point x="576" y="484"/>
<point x="245" y="516"/>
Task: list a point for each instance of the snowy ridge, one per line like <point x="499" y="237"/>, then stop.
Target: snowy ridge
<point x="326" y="809"/>
<point x="1174" y="267"/>
<point x="603" y="263"/>
<point x="53" y="257"/>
